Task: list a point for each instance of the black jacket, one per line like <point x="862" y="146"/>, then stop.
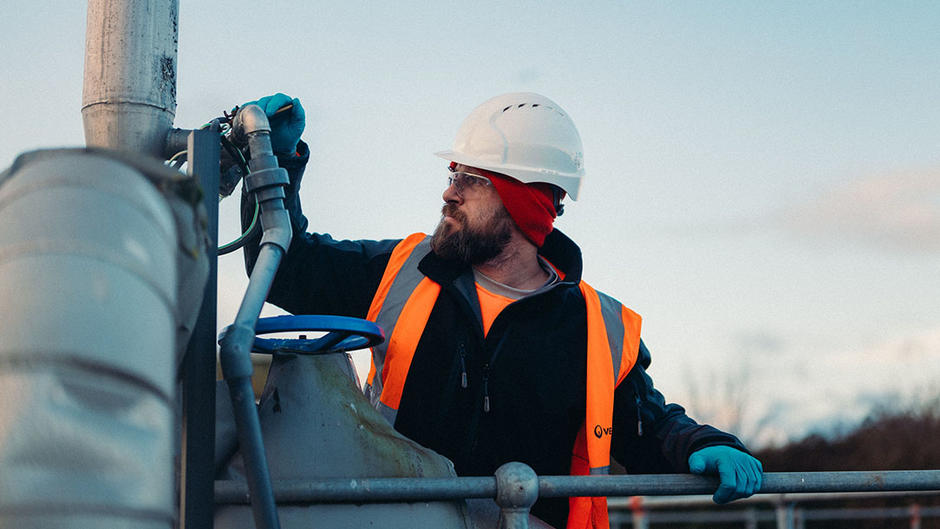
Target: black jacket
<point x="531" y="364"/>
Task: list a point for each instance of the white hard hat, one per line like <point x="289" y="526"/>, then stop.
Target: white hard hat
<point x="523" y="135"/>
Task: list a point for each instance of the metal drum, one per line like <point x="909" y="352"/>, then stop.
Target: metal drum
<point x="88" y="288"/>
<point x="318" y="425"/>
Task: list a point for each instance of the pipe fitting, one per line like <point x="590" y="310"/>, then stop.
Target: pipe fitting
<point x="235" y="351"/>
<point x="517" y="489"/>
<point x="176" y="140"/>
<point x="276" y="228"/>
<point x="258" y="180"/>
<point x="250" y="120"/>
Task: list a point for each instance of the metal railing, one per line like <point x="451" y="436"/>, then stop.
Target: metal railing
<point x="516" y="487"/>
<point x="785" y="511"/>
<point x="784" y="517"/>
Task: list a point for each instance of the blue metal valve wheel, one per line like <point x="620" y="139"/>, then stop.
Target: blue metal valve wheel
<point x="344" y="334"/>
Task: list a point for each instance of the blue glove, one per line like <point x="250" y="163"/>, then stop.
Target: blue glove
<point x="287" y="125"/>
<point x="740" y="475"/>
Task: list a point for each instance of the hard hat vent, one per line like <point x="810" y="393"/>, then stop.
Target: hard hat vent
<point x="533" y="106"/>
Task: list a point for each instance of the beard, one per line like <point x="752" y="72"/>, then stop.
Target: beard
<point x="468" y="244"/>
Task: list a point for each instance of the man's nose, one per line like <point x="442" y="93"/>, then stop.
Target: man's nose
<point x="451" y="195"/>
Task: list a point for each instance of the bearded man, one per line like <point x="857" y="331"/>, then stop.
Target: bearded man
<point x="497" y="350"/>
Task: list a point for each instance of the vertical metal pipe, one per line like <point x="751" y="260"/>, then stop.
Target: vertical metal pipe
<point x="198" y="369"/>
<point x="237" y="369"/>
<point x="915" y="516"/>
<point x="784" y="512"/>
<point x="266" y="183"/>
<point x="639" y="518"/>
<point x="799" y="517"/>
<point x="750" y="518"/>
<point x="129" y="94"/>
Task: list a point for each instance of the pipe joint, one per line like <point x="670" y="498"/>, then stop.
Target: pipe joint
<point x="235" y="352"/>
<point x="249" y="120"/>
<point x="266" y="178"/>
<point x="266" y="195"/>
<point x="276" y="228"/>
<point x="177" y="140"/>
<point x="517" y="489"/>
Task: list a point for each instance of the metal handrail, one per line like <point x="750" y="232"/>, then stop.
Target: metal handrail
<point x="764" y="498"/>
<point x="370" y="490"/>
<point x="787" y="510"/>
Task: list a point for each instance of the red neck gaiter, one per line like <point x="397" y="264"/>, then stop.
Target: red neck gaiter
<point x="531" y="206"/>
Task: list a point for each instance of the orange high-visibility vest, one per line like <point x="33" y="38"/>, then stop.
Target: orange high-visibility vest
<point x="402" y="306"/>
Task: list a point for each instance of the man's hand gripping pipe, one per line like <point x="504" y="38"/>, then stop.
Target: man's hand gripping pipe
<point x="266" y="181"/>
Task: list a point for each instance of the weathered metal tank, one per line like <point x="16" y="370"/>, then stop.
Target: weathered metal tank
<point x="90" y="264"/>
<point x="317" y="424"/>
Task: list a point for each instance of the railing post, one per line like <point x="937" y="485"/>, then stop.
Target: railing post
<point x="750" y="518"/>
<point x="784" y="512"/>
<point x="799" y="515"/>
<point x="517" y="488"/>
<point x="638" y="513"/>
<point x="915" y="516"/>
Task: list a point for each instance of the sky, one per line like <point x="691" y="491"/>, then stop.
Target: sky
<point x="762" y="179"/>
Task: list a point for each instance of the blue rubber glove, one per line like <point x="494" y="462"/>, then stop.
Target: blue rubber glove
<point x="740" y="474"/>
<point x="287" y="125"/>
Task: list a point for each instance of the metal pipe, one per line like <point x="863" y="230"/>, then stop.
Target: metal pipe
<point x="266" y="182"/>
<point x="751" y="517"/>
<point x="773" y="482"/>
<point x="176" y="140"/>
<point x="235" y="357"/>
<point x="418" y="489"/>
<point x="371" y="490"/>
<point x="861" y="481"/>
<point x="706" y="517"/>
<point x="914" y="512"/>
<point x="704" y="500"/>
<point x="250" y="120"/>
<point x="129" y="92"/>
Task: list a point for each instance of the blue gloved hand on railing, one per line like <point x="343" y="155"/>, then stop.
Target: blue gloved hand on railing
<point x="286" y="125"/>
<point x="740" y="474"/>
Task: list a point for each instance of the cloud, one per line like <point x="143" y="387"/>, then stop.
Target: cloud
<point x="897" y="211"/>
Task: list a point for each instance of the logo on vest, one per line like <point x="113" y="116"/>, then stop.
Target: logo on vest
<point x="601" y="432"/>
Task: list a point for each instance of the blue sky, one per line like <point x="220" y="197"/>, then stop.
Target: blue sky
<point x="763" y="180"/>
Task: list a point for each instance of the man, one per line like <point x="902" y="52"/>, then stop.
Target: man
<point x="496" y="350"/>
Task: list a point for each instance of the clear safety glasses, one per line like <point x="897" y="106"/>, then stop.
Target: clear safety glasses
<point x="462" y="181"/>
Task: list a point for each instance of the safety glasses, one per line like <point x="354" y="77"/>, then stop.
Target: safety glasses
<point x="462" y="181"/>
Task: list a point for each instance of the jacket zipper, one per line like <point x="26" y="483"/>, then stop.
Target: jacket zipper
<point x="639" y="414"/>
<point x="463" y="365"/>
<point x="486" y="392"/>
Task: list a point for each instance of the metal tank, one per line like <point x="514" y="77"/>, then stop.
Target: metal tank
<point x="88" y="283"/>
<point x="318" y="425"/>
